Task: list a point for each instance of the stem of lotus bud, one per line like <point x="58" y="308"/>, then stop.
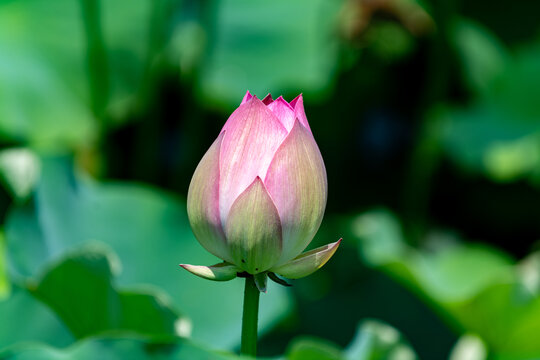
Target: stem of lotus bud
<point x="250" y="318"/>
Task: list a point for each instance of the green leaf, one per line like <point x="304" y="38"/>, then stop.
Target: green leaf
<point x="80" y="290"/>
<point x="375" y="340"/>
<point x="483" y="57"/>
<point x="150" y="233"/>
<point x="129" y="61"/>
<point x="24" y="318"/>
<point x="312" y="348"/>
<point x="26" y="251"/>
<point x="44" y="77"/>
<point x="390" y="41"/>
<point x="111" y="348"/>
<point x="486" y="138"/>
<point x="475" y="288"/>
<point x="498" y="133"/>
<point x="450" y="274"/>
<point x="514" y="314"/>
<point x="290" y="46"/>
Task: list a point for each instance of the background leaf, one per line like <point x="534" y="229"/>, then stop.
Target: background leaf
<point x="297" y="54"/>
<point x="476" y="289"/>
<point x="97" y="306"/>
<point x="115" y="348"/>
<point x="30" y="320"/>
<point x="151" y="235"/>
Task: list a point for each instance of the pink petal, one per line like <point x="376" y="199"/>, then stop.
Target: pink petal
<point x="203" y="203"/>
<point x="267" y="99"/>
<point x="295" y="100"/>
<point x="298" y="105"/>
<point x="253" y="230"/>
<point x="252" y="135"/>
<point x="284" y="112"/>
<point x="246" y="98"/>
<point x="296" y="181"/>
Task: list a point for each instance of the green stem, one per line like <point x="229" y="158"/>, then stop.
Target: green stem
<point x="98" y="73"/>
<point x="250" y="318"/>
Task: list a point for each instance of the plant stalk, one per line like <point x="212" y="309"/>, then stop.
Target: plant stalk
<point x="98" y="72"/>
<point x="250" y="318"/>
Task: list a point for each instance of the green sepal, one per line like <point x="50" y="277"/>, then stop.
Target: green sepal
<point x="218" y="272"/>
<point x="261" y="280"/>
<point x="277" y="279"/>
<point x="307" y="263"/>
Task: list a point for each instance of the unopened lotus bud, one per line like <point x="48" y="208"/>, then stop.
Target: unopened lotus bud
<point x="258" y="196"/>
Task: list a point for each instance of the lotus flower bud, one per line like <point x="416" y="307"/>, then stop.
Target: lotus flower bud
<point x="258" y="196"/>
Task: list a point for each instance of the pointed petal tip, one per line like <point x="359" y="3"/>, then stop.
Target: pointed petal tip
<point x="249" y="97"/>
<point x="268" y="99"/>
<point x="246" y="98"/>
<point x="259" y="181"/>
<point x="296" y="100"/>
<point x="284" y="112"/>
<point x="255" y="101"/>
<point x="285" y="102"/>
<point x="298" y="122"/>
<point x="298" y="105"/>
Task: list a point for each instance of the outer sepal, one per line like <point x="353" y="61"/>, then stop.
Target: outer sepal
<point x="219" y="272"/>
<point x="308" y="262"/>
<point x="277" y="279"/>
<point x="260" y="280"/>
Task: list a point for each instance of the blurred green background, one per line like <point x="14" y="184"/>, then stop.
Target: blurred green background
<point x="427" y="114"/>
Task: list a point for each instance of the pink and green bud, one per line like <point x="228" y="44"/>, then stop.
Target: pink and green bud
<point x="258" y="196"/>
